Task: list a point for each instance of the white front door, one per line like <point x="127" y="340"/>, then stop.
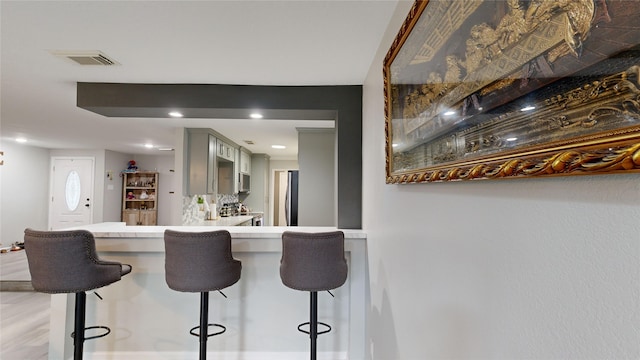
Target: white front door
<point x="71" y="192"/>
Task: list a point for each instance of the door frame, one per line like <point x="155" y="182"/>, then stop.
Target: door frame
<point x="52" y="184"/>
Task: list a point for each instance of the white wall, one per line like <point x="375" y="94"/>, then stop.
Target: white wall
<point x="24" y="186"/>
<point x="179" y="181"/>
<point x="316" y="180"/>
<point x="115" y="162"/>
<point x="24" y="190"/>
<point x="258" y="199"/>
<point x="283" y="165"/>
<point x="514" y="269"/>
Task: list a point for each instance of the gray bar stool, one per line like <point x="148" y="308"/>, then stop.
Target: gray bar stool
<point x="313" y="262"/>
<point x="200" y="262"/>
<point x="67" y="262"/>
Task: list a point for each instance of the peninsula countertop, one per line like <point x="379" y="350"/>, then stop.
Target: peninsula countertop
<point x="121" y="230"/>
<point x="260" y="311"/>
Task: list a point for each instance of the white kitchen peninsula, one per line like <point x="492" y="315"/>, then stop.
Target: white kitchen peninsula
<point x="150" y="321"/>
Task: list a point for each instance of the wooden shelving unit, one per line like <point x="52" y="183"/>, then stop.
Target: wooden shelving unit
<point x="140" y="198"/>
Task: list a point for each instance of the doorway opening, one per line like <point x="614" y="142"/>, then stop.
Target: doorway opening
<point x="285" y="198"/>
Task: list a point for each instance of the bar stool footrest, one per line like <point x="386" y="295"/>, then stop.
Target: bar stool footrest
<point x="319" y="332"/>
<point x="95" y="336"/>
<point x="192" y="332"/>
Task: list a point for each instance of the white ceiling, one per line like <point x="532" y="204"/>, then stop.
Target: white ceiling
<point x="307" y="42"/>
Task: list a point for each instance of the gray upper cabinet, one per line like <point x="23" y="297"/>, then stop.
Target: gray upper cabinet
<point x="202" y="165"/>
<point x="225" y="151"/>
<point x="226" y="158"/>
<point x="245" y="162"/>
<point x="236" y="172"/>
<point x="213" y="163"/>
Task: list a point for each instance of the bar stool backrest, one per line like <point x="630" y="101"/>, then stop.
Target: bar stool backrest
<point x="199" y="261"/>
<point x="67" y="262"/>
<point x="313" y="261"/>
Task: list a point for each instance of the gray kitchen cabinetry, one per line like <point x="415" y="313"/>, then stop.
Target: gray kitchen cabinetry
<point x="245" y="162"/>
<point x="212" y="163"/>
<point x="226" y="151"/>
<point x="226" y="157"/>
<point x="202" y="164"/>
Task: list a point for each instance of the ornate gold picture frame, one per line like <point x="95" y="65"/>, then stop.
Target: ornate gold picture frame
<point x="494" y="89"/>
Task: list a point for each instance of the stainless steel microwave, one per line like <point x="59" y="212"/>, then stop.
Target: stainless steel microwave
<point x="245" y="183"/>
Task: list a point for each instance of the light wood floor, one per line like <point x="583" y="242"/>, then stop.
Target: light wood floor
<point x="24" y="325"/>
<point x="24" y="314"/>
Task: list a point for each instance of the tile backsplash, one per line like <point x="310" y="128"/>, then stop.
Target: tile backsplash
<point x="225" y="199"/>
<point x="193" y="213"/>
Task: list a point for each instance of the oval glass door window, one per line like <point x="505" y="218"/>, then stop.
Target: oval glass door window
<point x="72" y="190"/>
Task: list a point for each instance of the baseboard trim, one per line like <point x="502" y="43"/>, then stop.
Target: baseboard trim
<point x="16" y="285"/>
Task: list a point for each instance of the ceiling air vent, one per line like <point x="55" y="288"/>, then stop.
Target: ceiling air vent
<point x="86" y="57"/>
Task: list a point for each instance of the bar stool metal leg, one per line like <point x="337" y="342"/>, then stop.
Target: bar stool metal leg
<point x="204" y="326"/>
<point x="79" y="322"/>
<point x="313" y="323"/>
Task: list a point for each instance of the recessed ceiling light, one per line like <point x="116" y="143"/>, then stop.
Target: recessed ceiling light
<point x="450" y="112"/>
<point x="21" y="140"/>
<point x="176" y="114"/>
<point x="278" y="146"/>
<point x="527" y="108"/>
<point x="512" y="139"/>
<point x="255" y="116"/>
<point x="148" y="146"/>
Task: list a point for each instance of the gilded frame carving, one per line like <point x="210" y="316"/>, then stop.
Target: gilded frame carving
<point x="497" y="89"/>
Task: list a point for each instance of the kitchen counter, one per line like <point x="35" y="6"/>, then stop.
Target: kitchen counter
<point x="226" y="221"/>
<point x="150" y="321"/>
<point x="254" y="213"/>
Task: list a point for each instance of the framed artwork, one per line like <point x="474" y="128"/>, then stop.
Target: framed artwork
<point x="496" y="89"/>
